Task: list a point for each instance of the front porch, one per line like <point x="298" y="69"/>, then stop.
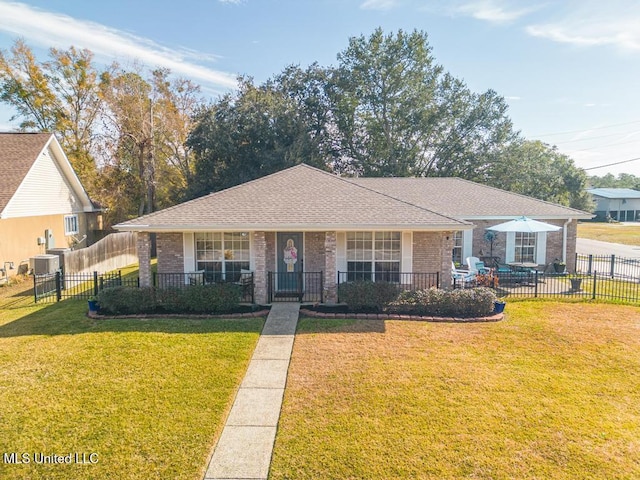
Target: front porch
<point x="299" y="266"/>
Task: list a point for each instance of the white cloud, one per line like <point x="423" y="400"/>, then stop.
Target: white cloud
<point x="513" y="98"/>
<point x="595" y="23"/>
<point x="494" y="11"/>
<point x="379" y="4"/>
<point x="56" y="30"/>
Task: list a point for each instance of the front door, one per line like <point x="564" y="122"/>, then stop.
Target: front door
<point x="290" y="262"/>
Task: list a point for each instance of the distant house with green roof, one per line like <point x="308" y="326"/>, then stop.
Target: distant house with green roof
<point x="621" y="204"/>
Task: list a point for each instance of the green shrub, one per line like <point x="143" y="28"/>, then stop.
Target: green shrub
<point x="367" y="296"/>
<point x="218" y="298"/>
<point x="469" y="302"/>
<point x="126" y="300"/>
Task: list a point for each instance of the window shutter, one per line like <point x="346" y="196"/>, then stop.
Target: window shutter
<point x="467" y="244"/>
<point x="188" y="246"/>
<point x="510" y="247"/>
<point x="541" y="248"/>
<point x="406" y="250"/>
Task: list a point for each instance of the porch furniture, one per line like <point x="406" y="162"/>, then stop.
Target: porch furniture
<point x="462" y="277"/>
<point x="476" y="266"/>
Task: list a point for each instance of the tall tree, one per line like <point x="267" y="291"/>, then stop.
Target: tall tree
<point x="399" y="114"/>
<point x="246" y="135"/>
<point x="146" y="123"/>
<point x="538" y="170"/>
<point x="623" y="180"/>
<point x="61" y="95"/>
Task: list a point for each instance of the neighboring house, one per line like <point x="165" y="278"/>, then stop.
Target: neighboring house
<point x="622" y="204"/>
<point x="305" y="220"/>
<point x="42" y="203"/>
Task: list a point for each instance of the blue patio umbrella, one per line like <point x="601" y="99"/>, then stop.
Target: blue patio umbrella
<point x="524" y="224"/>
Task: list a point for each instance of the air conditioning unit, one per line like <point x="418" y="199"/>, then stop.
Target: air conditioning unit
<point x="42" y="264"/>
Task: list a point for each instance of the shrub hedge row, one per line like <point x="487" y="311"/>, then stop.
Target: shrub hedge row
<point x="468" y="302"/>
<point x="205" y="299"/>
<point x="367" y="296"/>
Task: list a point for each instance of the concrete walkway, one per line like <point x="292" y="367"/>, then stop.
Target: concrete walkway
<point x="245" y="446"/>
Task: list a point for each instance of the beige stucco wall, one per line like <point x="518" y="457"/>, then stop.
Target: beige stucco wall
<point x="19" y="238"/>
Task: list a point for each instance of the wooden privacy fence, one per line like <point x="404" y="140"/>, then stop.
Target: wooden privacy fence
<point x="116" y="250"/>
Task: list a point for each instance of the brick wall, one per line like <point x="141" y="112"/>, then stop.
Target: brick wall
<point x="330" y="275"/>
<point x="270" y="252"/>
<point x="170" y="252"/>
<point x="314" y="255"/>
<point x="144" y="258"/>
<point x="554" y="241"/>
<point x="432" y="253"/>
<point x="260" y="244"/>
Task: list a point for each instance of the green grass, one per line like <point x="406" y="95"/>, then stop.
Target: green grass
<point x="149" y="397"/>
<point x="550" y="392"/>
<point x="610" y="232"/>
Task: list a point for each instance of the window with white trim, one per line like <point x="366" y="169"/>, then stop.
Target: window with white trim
<point x="525" y="247"/>
<point x="222" y="256"/>
<point x="71" y="225"/>
<point x="456" y="254"/>
<point x="373" y="256"/>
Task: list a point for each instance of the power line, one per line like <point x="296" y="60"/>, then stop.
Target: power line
<point x="584" y="129"/>
<point x="615" y="163"/>
<point x="605" y="145"/>
<point x="587" y="139"/>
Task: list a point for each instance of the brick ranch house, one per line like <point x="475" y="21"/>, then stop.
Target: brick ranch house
<point x="304" y="220"/>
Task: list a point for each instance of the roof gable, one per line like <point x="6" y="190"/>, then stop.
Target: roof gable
<point x="300" y="197"/>
<point x="39" y="179"/>
<point x="18" y="152"/>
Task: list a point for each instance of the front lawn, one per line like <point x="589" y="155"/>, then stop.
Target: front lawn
<point x="147" y="397"/>
<point x="610" y="232"/>
<point x="550" y="392"/>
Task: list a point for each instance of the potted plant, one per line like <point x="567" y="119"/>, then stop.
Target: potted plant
<point x="576" y="282"/>
<point x="93" y="304"/>
<point x="498" y="306"/>
<point x="559" y="266"/>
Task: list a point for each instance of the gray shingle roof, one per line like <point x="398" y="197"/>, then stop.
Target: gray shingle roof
<point x="18" y="152"/>
<point x="298" y="198"/>
<point x="305" y="198"/>
<point x="460" y="198"/>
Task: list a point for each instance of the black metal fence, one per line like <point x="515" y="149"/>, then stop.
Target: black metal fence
<point x="184" y="280"/>
<point x="295" y="287"/>
<point x="406" y="281"/>
<point x="53" y="287"/>
<point x="536" y="284"/>
<point x="609" y="265"/>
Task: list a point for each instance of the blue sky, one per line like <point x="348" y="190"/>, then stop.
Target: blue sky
<point x="569" y="70"/>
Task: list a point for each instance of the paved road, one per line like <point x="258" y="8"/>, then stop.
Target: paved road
<point x="628" y="269"/>
<point x="596" y="247"/>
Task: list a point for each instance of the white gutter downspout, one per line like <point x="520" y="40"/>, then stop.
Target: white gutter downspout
<point x="564" y="240"/>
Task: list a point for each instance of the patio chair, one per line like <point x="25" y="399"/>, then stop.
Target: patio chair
<point x="462" y="277"/>
<point x="476" y="266"/>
